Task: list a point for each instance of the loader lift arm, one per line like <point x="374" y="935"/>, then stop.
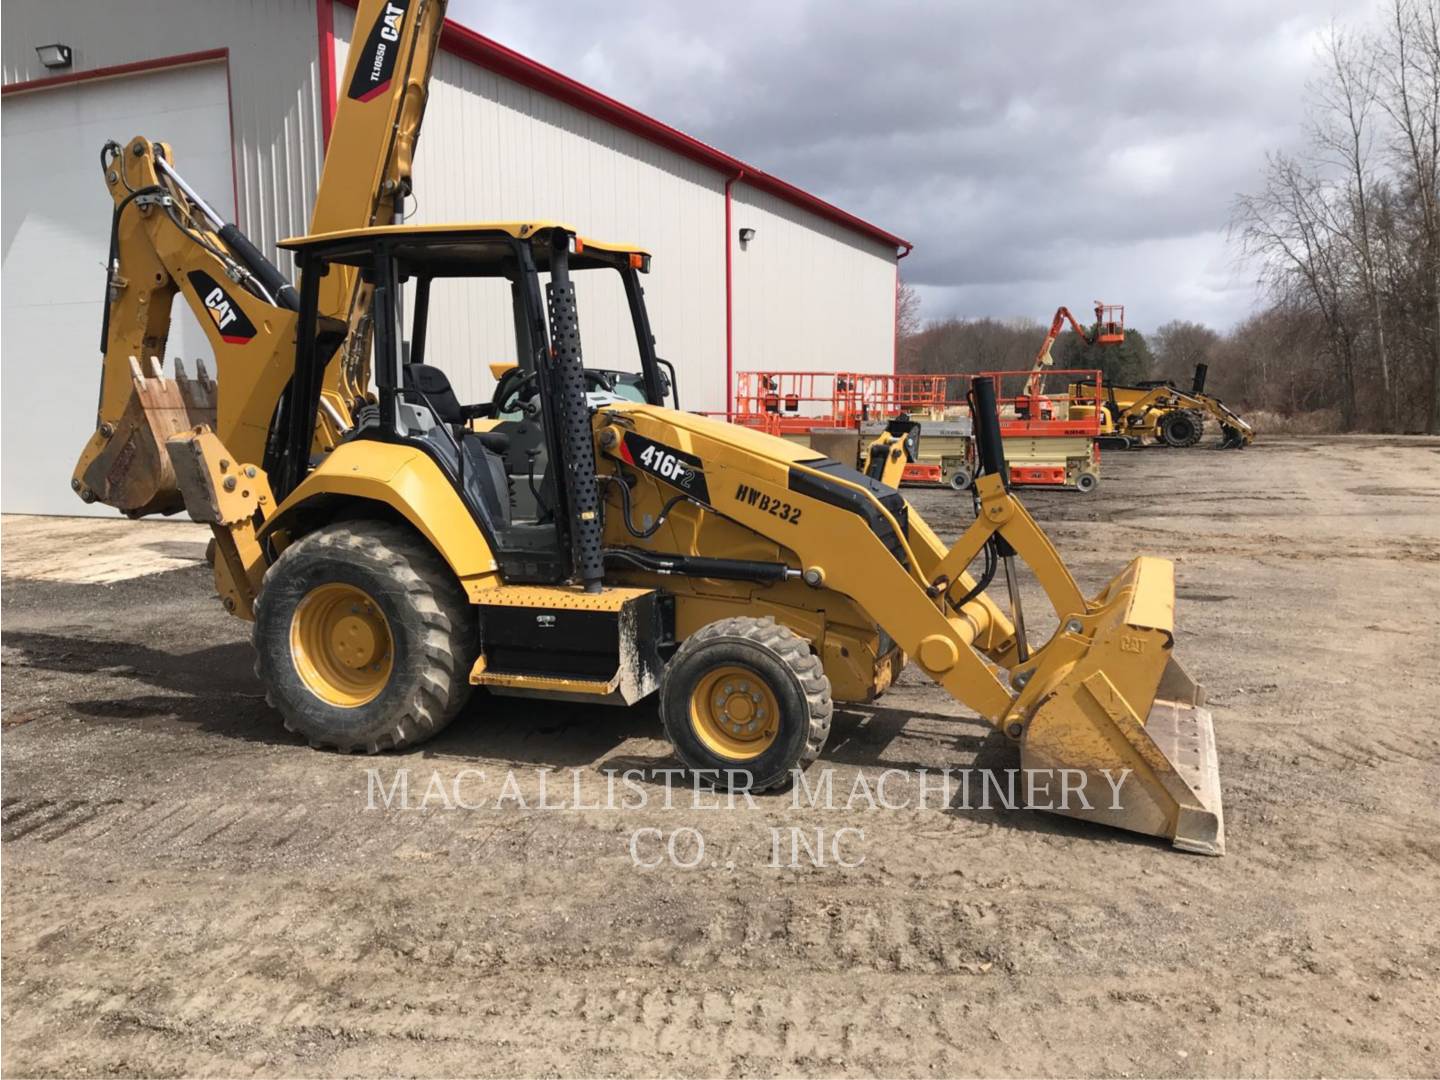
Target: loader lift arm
<point x="1237" y="432"/>
<point x="1103" y="698"/>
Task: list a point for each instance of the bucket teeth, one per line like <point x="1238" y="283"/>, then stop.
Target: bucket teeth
<point x="128" y="466"/>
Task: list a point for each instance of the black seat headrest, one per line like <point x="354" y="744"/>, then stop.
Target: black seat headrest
<point x="434" y="384"/>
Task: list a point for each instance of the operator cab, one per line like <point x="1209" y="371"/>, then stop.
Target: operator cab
<point x="452" y="302"/>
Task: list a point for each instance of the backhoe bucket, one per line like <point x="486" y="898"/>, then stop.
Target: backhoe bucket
<point x="125" y="463"/>
<point x="1126" y="715"/>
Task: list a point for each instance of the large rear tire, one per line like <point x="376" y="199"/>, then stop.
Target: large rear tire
<point x="745" y="702"/>
<point x="363" y="638"/>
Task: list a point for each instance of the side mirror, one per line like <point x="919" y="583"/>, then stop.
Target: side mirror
<point x="668" y="385"/>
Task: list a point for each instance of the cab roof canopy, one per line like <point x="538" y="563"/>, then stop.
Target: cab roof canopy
<point x="467" y="248"/>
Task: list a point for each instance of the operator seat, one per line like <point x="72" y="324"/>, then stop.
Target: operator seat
<point x="484" y="472"/>
<point x="432" y="386"/>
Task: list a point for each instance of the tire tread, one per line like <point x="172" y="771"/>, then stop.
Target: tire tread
<point x="794" y="653"/>
<point x="444" y="684"/>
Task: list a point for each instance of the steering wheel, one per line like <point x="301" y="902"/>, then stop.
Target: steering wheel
<point x="517" y="386"/>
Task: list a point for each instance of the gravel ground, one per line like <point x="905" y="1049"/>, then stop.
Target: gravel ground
<point x="189" y="890"/>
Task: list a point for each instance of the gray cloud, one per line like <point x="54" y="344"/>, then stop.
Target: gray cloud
<point x="1036" y="153"/>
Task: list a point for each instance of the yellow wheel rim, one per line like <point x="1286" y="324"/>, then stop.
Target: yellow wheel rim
<point x="341" y="645"/>
<point x="734" y="713"/>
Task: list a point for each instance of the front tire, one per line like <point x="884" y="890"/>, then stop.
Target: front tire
<point x="363" y="638"/>
<point x="745" y="701"/>
<point x="1178" y="429"/>
<point x="1199" y="418"/>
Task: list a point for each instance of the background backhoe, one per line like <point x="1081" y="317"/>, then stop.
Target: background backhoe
<point x="396" y="547"/>
<point x="1160" y="413"/>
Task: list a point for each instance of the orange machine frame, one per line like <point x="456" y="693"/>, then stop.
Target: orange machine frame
<point x="1035" y="412"/>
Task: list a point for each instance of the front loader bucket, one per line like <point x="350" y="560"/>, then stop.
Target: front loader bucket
<point x="1127" y="716"/>
<point x="125" y="463"/>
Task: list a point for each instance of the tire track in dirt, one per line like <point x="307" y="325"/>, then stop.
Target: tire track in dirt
<point x="702" y="1025"/>
<point x="202" y="896"/>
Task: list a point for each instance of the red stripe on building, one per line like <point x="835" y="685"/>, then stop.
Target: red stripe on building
<point x="325" y="29"/>
<point x="117" y="70"/>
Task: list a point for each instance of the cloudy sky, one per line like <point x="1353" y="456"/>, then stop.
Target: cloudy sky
<point x="1036" y="152"/>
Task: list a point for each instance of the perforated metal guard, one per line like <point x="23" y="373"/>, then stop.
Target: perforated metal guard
<point x="569" y="368"/>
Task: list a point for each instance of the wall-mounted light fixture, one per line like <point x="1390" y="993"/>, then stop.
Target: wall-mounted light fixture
<point x="54" y="56"/>
<point x="746" y="235"/>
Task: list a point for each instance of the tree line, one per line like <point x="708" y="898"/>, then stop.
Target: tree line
<point x="1345" y="234"/>
<point x="1273" y="361"/>
<point x="967" y="346"/>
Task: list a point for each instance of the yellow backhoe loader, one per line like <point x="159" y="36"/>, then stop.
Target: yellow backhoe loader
<point x="397" y="547"/>
<point x="1157" y="413"/>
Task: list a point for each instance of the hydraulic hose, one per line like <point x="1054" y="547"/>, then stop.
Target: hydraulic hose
<point x="986" y="576"/>
<point x="262" y="269"/>
<point x="530" y="481"/>
<point x="986" y="417"/>
<point x="639" y="534"/>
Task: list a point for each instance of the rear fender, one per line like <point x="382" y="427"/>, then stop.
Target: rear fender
<point x="404" y="480"/>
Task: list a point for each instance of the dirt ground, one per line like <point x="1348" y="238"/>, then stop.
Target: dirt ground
<point x="188" y="890"/>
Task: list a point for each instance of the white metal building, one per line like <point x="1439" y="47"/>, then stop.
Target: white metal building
<point x="244" y="91"/>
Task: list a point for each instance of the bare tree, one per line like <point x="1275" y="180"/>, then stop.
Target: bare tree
<point x="1179" y="346"/>
<point x="907" y="310"/>
<point x="1348" y="230"/>
<point x="1341" y="131"/>
<point x="1287" y="227"/>
<point x="967" y="345"/>
<point x="1408" y="52"/>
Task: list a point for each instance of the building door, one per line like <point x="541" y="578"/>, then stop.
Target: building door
<point x="56" y="224"/>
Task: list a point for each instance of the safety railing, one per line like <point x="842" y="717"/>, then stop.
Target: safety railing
<point x="794" y="402"/>
<point x="798" y="402"/>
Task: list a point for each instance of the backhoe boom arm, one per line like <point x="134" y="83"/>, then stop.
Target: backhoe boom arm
<point x="165" y="239"/>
